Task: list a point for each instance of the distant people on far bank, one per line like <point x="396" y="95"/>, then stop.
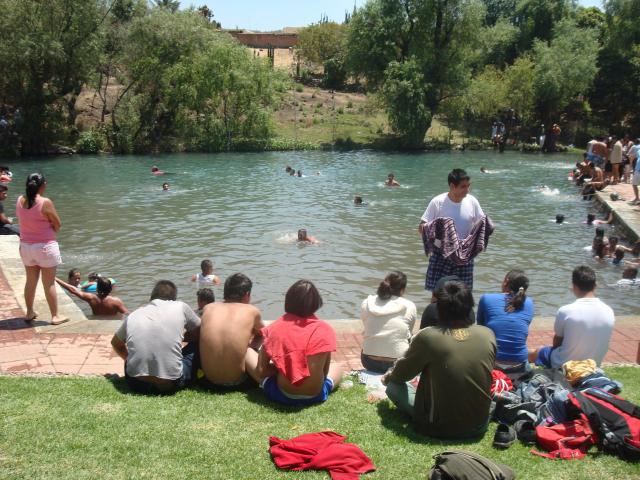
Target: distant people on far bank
<point x="39" y="250"/>
<point x="388" y="319"/>
<point x="391" y="181"/>
<point x="582" y="329"/>
<point x="6" y="224"/>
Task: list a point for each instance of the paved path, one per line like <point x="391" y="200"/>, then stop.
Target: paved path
<point x="82" y="346"/>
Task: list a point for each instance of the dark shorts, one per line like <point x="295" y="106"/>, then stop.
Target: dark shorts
<point x="442" y="267"/>
<point x="245" y="382"/>
<point x="373" y="365"/>
<point x="190" y="352"/>
<point x="273" y="392"/>
<point x="608" y="167"/>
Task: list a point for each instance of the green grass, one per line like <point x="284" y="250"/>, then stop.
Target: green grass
<point x="90" y="428"/>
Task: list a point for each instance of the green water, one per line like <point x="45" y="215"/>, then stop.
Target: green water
<point x="242" y="211"/>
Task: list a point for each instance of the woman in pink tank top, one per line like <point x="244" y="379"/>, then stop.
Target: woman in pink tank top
<point x="39" y="223"/>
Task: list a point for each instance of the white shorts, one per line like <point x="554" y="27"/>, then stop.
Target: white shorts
<point x="43" y="255"/>
<point x="636" y="179"/>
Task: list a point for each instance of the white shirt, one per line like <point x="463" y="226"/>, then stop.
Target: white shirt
<point x="388" y="325"/>
<point x="465" y="214"/>
<point x="585" y="326"/>
<point x="205" y="280"/>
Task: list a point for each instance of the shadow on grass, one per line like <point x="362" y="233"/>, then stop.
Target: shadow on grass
<point x="401" y="424"/>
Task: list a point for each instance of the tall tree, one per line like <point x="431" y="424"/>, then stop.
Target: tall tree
<point x="171" y="5"/>
<point x="416" y="53"/>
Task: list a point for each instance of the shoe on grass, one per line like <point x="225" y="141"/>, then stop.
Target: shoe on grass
<point x="526" y="431"/>
<point x="505" y="436"/>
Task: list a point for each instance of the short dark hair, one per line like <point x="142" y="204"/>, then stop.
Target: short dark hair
<point x="93" y="277"/>
<point x="206" y="296"/>
<point x="584" y="278"/>
<point x="590" y="217"/>
<point x="559" y="218"/>
<point x="237" y="286"/>
<point x="164" y="290"/>
<point x="457" y="175"/>
<point x="3" y="188"/>
<point x="630" y="272"/>
<point x="302" y="299"/>
<point x="103" y="286"/>
<point x="206" y="264"/>
<point x="72" y="273"/>
<point x="455" y="301"/>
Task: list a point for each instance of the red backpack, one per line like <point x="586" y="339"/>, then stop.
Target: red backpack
<point x="566" y="441"/>
<point x="614" y="421"/>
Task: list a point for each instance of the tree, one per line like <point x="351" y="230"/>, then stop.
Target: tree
<point x="320" y="42"/>
<point x="171" y="5"/>
<point x="565" y="67"/>
<point x="497" y="9"/>
<point x="47" y="52"/>
<point x="433" y="37"/>
<point x="536" y="19"/>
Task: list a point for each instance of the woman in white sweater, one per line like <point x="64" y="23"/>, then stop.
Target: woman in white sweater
<point x="388" y="320"/>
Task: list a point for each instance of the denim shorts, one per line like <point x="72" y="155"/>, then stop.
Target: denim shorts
<point x="273" y="392"/>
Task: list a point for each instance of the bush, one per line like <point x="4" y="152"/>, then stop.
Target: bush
<point x="89" y="142"/>
<point x="299" y="88"/>
<point x="340" y="111"/>
<point x="349" y="104"/>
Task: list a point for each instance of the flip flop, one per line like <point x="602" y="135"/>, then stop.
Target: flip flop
<point x="59" y="322"/>
<point x="31" y="318"/>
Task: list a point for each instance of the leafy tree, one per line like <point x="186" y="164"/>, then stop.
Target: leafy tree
<point x="536" y="19"/>
<point x="171" y="5"/>
<point x="320" y="42"/>
<point x="497" y="9"/>
<point x="433" y="37"/>
<point x="565" y="67"/>
<point x="47" y="51"/>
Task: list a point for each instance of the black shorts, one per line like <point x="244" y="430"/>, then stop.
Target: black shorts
<point x="608" y="167"/>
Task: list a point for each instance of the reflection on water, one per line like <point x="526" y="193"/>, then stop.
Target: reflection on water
<point x="243" y="212"/>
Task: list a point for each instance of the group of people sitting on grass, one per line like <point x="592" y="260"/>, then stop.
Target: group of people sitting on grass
<point x="452" y="356"/>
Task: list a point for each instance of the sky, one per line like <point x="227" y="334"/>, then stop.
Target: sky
<point x="265" y="15"/>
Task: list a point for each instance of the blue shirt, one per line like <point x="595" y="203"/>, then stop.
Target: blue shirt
<point x="510" y="328"/>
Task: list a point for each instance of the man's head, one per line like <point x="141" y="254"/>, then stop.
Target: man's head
<point x="103" y="286"/>
<point x="613" y="242"/>
<point x="237" y="288"/>
<point x="459" y="184"/>
<point x="3" y="192"/>
<point x="583" y="279"/>
<point x="590" y="218"/>
<point x="599" y="232"/>
<point x="165" y="186"/>
<point x="206" y="266"/>
<point x="302" y="299"/>
<point x="302" y="235"/>
<point x="357" y="200"/>
<point x="619" y="255"/>
<point x="630" y="273"/>
<point x="454" y="304"/>
<point x="205" y="296"/>
<point x="164" y="290"/>
<point x="559" y="218"/>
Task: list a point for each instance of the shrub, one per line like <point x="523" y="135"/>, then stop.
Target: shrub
<point x="89" y="142"/>
<point x="349" y="104"/>
<point x="340" y="111"/>
<point x="299" y="88"/>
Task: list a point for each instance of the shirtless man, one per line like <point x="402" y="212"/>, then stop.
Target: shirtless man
<point x="304" y="237"/>
<point x="391" y="181"/>
<point x="598" y="153"/>
<point x="101" y="303"/>
<point x="597" y="182"/>
<point x="227" y="331"/>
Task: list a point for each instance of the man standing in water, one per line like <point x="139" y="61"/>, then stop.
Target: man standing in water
<point x="465" y="211"/>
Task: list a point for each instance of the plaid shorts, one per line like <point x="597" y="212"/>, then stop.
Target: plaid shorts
<point x="442" y="267"/>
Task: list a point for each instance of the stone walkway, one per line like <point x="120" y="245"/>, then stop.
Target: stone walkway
<point x="82" y="346"/>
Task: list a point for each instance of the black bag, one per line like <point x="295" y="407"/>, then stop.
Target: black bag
<point x="461" y="465"/>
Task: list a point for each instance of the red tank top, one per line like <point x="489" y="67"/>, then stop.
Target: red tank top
<point x="34" y="227"/>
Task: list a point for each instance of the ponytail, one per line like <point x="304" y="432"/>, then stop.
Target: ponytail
<point x="392" y="285"/>
<point x="34" y="182"/>
<point x="517" y="284"/>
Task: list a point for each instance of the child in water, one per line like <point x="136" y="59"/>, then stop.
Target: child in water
<point x="206" y="276"/>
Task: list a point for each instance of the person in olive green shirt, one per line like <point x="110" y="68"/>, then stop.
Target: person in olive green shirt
<point x="454" y="360"/>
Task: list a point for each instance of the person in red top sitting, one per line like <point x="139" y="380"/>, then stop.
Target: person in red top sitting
<point x="294" y="364"/>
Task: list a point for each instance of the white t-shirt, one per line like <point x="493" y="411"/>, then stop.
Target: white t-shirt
<point x="585" y="326"/>
<point x="388" y="325"/>
<point x="205" y="280"/>
<point x="465" y="214"/>
<point x="616" y="153"/>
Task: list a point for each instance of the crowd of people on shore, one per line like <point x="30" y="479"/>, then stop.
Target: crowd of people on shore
<point x="166" y="345"/>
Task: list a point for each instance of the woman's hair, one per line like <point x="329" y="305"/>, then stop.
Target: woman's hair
<point x="392" y="285"/>
<point x="517" y="284"/>
<point x="455" y="301"/>
<point x="34" y="182"/>
<point x="302" y="299"/>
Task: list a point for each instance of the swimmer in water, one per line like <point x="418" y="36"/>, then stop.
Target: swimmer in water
<point x="299" y="173"/>
<point x="484" y="170"/>
<point x="156" y="171"/>
<point x="292" y="172"/>
<point x="391" y="181"/>
<point x="165" y="187"/>
<point x="559" y="218"/>
<point x="101" y="302"/>
<point x="303" y="237"/>
<point x="74" y="277"/>
<point x="357" y="200"/>
<point x="288" y="169"/>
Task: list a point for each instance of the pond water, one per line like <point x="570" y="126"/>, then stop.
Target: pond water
<point x="242" y="211"/>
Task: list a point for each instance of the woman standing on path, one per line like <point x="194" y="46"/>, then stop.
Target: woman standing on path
<point x="39" y="249"/>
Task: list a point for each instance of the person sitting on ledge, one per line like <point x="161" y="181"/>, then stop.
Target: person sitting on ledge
<point x="294" y="365"/>
<point x="388" y="320"/>
<point x="101" y="302"/>
<point x="454" y="361"/>
<point x="228" y="331"/>
<point x="6" y="224"/>
<point x="582" y="328"/>
<point x="149" y="341"/>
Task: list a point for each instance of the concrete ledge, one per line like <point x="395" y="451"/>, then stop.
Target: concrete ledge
<point x="13" y="270"/>
<point x="626" y="216"/>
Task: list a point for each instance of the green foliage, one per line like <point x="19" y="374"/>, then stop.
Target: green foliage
<point x="537" y="19"/>
<point x="299" y="88"/>
<point x="320" y="42"/>
<point x="47" y="51"/>
<point x="565" y="67"/>
<point x="89" y="142"/>
<point x="335" y="73"/>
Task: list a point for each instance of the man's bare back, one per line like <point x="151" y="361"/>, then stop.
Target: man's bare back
<point x="226" y="331"/>
<point x="107" y="306"/>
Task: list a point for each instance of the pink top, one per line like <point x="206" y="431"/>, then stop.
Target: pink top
<point x="34" y="227"/>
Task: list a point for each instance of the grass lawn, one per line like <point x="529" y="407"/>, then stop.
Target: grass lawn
<point x="93" y="428"/>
